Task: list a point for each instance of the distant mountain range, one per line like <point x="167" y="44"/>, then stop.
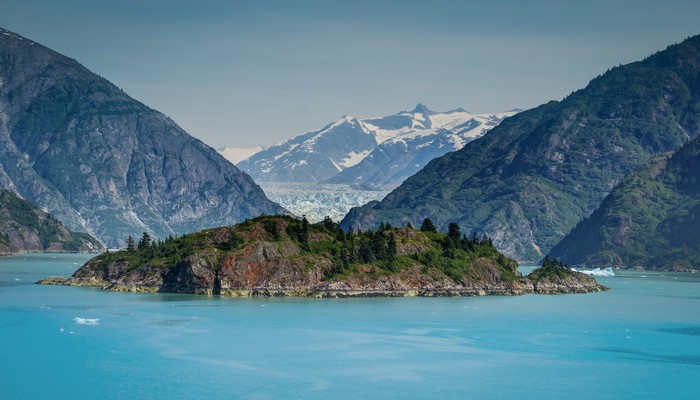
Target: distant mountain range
<point x="24" y="227"/>
<point x="531" y="179"/>
<point x="375" y="152"/>
<point x="79" y="147"/>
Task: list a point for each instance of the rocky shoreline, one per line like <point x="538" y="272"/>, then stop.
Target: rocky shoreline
<point x="342" y="290"/>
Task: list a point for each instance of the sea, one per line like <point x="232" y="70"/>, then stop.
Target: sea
<point x="640" y="340"/>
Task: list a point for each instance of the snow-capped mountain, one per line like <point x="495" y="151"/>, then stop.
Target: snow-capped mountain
<point x="376" y="152"/>
<point x="410" y="139"/>
<point x="313" y="156"/>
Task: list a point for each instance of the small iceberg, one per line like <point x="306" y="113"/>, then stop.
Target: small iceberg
<point x="596" y="271"/>
<point x="86" y="321"/>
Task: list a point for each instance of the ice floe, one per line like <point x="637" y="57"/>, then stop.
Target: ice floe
<point x="596" y="271"/>
<point x="86" y="321"/>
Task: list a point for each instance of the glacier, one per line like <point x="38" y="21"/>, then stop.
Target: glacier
<point x="317" y="200"/>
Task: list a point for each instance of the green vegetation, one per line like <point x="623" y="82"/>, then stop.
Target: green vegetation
<point x="173" y="250"/>
<point x="651" y="219"/>
<point x="385" y="251"/>
<point x="551" y="268"/>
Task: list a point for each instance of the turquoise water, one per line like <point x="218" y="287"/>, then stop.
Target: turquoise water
<point x="638" y="341"/>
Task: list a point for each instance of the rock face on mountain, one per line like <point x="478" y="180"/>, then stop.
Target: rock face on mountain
<point x="281" y="256"/>
<point x="24" y="227"/>
<point x="74" y="144"/>
<point x="532" y="178"/>
<point x="650" y="220"/>
<point x="375" y="152"/>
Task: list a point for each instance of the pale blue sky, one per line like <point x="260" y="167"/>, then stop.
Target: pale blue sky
<point x="242" y="73"/>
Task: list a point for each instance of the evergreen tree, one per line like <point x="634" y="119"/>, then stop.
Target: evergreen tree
<point x="328" y="223"/>
<point x="391" y="252"/>
<point x="428" y="226"/>
<point x="145" y="242"/>
<point x="352" y="251"/>
<point x="453" y="232"/>
<point x="366" y="255"/>
<point x="130" y="244"/>
<point x="304" y="234"/>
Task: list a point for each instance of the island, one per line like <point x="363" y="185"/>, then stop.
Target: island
<point x="286" y="256"/>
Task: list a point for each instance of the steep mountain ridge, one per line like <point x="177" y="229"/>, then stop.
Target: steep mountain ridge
<point x="79" y="147"/>
<point x="649" y="220"/>
<point x="532" y="178"/>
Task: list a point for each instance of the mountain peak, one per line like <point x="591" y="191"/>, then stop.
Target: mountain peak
<point x="422" y="109"/>
<point x="345" y="119"/>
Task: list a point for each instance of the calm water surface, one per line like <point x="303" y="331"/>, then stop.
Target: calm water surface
<point x="638" y="341"/>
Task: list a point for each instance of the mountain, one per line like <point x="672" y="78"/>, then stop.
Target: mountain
<point x="532" y="178"/>
<point x="76" y="145"/>
<point x="374" y="152"/>
<point x="282" y="256"/>
<point x="24" y="227"/>
<point x="313" y="156"/>
<point x="409" y="140"/>
<point x="650" y="220"/>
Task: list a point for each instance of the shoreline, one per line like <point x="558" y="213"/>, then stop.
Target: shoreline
<point x="526" y="288"/>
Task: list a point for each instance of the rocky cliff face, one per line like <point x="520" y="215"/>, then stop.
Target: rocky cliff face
<point x="23" y="227"/>
<point x="263" y="257"/>
<point x="528" y="181"/>
<point x="76" y="145"/>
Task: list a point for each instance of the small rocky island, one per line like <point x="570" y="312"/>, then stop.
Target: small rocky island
<point x="283" y="256"/>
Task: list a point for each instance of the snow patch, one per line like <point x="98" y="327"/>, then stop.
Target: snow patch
<point x="354" y="158"/>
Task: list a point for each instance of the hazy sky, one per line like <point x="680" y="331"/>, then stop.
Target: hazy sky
<point x="243" y="73"/>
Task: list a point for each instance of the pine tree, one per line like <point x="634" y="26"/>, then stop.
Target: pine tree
<point x="304" y="234"/>
<point x="428" y="226"/>
<point x="130" y="244"/>
<point x="453" y="232"/>
<point x="391" y="252"/>
<point x="145" y="242"/>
